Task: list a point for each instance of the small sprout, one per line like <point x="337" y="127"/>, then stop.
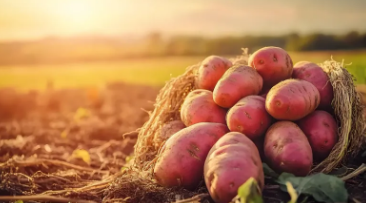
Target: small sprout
<point x="83" y="154"/>
<point x="19" y="201"/>
<point x="123" y="168"/>
<point x="80" y="114"/>
<point x="128" y="159"/>
<point x="64" y="133"/>
<point x="292" y="192"/>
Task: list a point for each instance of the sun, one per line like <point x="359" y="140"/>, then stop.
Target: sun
<point x="76" y="15"/>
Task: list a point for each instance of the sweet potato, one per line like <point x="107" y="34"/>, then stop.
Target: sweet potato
<point x="292" y="99"/>
<point x="181" y="160"/>
<point x="321" y="130"/>
<point x="287" y="149"/>
<point x="230" y="163"/>
<point x="314" y="74"/>
<point x="210" y="71"/>
<point x="249" y="116"/>
<point x="168" y="130"/>
<point x="199" y="106"/>
<point x="238" y="81"/>
<point x="273" y="64"/>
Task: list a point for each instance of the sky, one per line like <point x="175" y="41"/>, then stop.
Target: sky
<point x="34" y="19"/>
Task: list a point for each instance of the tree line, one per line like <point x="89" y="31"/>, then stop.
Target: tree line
<point x="195" y="45"/>
<point x="63" y="50"/>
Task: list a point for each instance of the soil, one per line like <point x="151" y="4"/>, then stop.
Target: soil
<point x="39" y="134"/>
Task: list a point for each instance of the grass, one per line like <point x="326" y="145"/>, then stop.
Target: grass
<point x="140" y="71"/>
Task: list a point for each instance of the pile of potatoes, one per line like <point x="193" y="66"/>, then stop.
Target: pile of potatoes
<point x="242" y="115"/>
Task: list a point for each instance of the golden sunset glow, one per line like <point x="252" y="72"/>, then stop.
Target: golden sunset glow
<point x="76" y="14"/>
<point x="42" y="18"/>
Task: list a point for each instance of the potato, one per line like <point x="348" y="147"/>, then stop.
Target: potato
<point x="210" y="71"/>
<point x="199" y="106"/>
<point x="168" y="130"/>
<point x="292" y="99"/>
<point x="287" y="149"/>
<point x="249" y="116"/>
<point x="314" y="74"/>
<point x="230" y="163"/>
<point x="273" y="64"/>
<point x="239" y="81"/>
<point x="321" y="130"/>
<point x="181" y="160"/>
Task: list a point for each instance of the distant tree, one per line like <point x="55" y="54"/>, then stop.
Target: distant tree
<point x="352" y="40"/>
<point x="318" y="42"/>
<point x="291" y="41"/>
<point x="154" y="44"/>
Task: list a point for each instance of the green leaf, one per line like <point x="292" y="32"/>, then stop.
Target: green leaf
<point x="324" y="188"/>
<point x="269" y="172"/>
<point x="19" y="201"/>
<point x="250" y="192"/>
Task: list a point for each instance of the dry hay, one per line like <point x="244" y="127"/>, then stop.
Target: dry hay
<point x="348" y="110"/>
<point x="346" y="104"/>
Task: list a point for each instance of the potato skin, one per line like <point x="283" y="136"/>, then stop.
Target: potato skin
<point x="238" y="81"/>
<point x="168" y="130"/>
<point x="287" y="149"/>
<point x="199" y="106"/>
<point x="181" y="159"/>
<point x="210" y="71"/>
<point x="321" y="130"/>
<point x="292" y="99"/>
<point x="273" y="64"/>
<point x="314" y="74"/>
<point x="230" y="163"/>
<point x="249" y="116"/>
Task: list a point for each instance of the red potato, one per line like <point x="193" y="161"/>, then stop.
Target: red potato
<point x="181" y="159"/>
<point x="239" y="81"/>
<point x="287" y="149"/>
<point x="321" y="130"/>
<point x="249" y="116"/>
<point x="210" y="71"/>
<point x="292" y="99"/>
<point x="199" y="106"/>
<point x="273" y="64"/>
<point x="230" y="163"/>
<point x="168" y="130"/>
<point x="314" y="74"/>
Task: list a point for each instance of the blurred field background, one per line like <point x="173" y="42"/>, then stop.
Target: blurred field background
<point x="66" y="44"/>
<point x="145" y="71"/>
